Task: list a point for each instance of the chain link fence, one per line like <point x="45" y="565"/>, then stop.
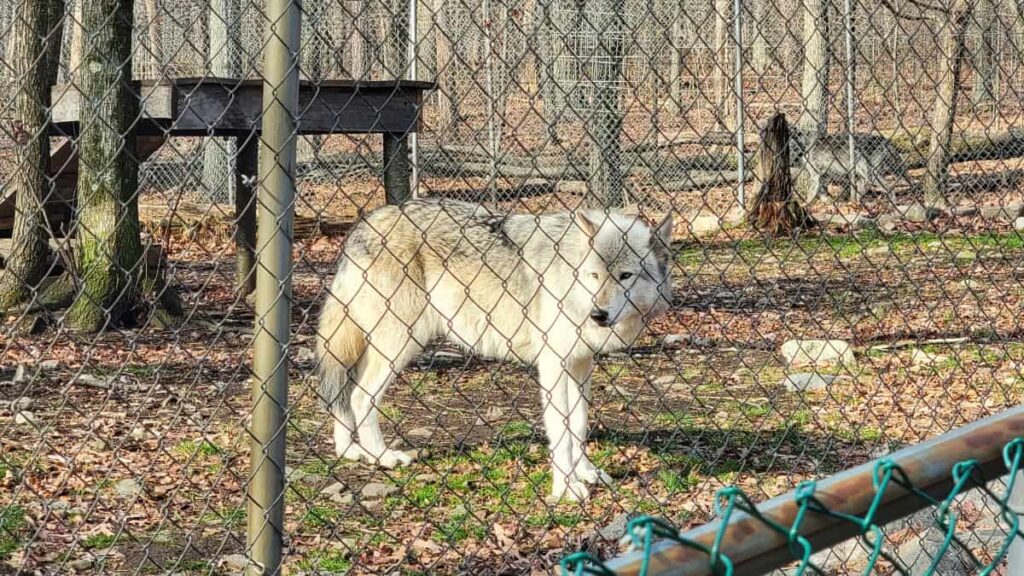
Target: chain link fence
<point x="136" y="360"/>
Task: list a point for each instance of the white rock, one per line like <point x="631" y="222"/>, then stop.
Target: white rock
<point x="817" y="352"/>
<point x="807" y="381"/>
<point x="425" y="432"/>
<point x="49" y="365"/>
<point x="375" y="490"/>
<point x="333" y="489"/>
<point x="128" y="487"/>
<point x="1018" y="224"/>
<point x="703" y="225"/>
<point x="22" y="403"/>
<point x="19" y="374"/>
<point x="233" y="563"/>
<point x="672" y="340"/>
<point x="25" y="418"/>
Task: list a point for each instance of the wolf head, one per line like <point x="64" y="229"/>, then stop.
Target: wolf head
<point x="627" y="271"/>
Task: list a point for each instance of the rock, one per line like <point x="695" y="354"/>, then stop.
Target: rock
<point x="817" y="352"/>
<point x="128" y="487"/>
<point x="49" y="365"/>
<point x="233" y="563"/>
<point x="807" y="382"/>
<point x="80" y="564"/>
<point x="616" y="528"/>
<point x="304" y="354"/>
<point x="880" y="250"/>
<point x="918" y="212"/>
<point x="25" y="418"/>
<point x="425" y="432"/>
<point x="93" y="381"/>
<point x="998" y="212"/>
<point x="428" y="477"/>
<point x="19" y="374"/>
<point x="965" y="211"/>
<point x="343" y="498"/>
<point x="921" y="358"/>
<point x="376" y="490"/>
<point x="918" y="552"/>
<point x="138" y="433"/>
<point x="22" y="403"/>
<point x="887" y="222"/>
<point x="1018" y="224"/>
<point x="672" y="340"/>
<point x="334" y="489"/>
<point x="704" y="225"/>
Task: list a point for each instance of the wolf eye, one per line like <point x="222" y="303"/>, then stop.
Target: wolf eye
<point x="625" y="276"/>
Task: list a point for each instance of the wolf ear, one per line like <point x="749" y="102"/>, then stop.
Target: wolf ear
<point x="663" y="232"/>
<point x="586" y="224"/>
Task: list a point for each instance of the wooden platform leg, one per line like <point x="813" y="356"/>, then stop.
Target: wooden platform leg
<point x="246" y="161"/>
<point x="396" y="168"/>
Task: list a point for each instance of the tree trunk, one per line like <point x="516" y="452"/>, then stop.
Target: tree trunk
<point x="34" y="64"/>
<point x="154" y="30"/>
<point x="675" y="75"/>
<point x="723" y="66"/>
<point x="446" y="112"/>
<point x="109" y="258"/>
<point x="75" y="50"/>
<point x="775" y="210"/>
<point x="218" y="184"/>
<point x="764" y="20"/>
<point x="551" y="46"/>
<point x="983" y="91"/>
<point x="355" y="44"/>
<point x="814" y="91"/>
<point x="605" y="125"/>
<point x="953" y="51"/>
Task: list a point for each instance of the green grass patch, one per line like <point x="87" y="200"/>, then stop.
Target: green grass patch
<point x="12" y="528"/>
<point x="675" y="419"/>
<point x="190" y="448"/>
<point x="551" y="519"/>
<point x="459" y="528"/>
<point x="675" y="481"/>
<point x="516" y="430"/>
<point x="333" y="562"/>
<point x="99" y="541"/>
<point x="321" y="517"/>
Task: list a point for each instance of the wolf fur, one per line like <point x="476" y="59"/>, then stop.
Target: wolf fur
<point x="826" y="158"/>
<point x="547" y="290"/>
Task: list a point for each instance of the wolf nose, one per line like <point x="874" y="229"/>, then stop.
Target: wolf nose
<point x="600" y="316"/>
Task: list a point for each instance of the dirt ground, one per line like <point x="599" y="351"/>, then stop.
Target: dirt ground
<point x="135" y="457"/>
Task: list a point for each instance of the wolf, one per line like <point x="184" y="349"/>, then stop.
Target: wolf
<point x="826" y="158"/>
<point x="548" y="290"/>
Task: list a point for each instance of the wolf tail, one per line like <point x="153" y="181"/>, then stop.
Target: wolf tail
<point x="340" y="343"/>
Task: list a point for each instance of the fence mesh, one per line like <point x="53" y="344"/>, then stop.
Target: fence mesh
<point x="127" y="240"/>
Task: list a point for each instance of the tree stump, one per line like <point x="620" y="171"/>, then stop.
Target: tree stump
<point x="774" y="209"/>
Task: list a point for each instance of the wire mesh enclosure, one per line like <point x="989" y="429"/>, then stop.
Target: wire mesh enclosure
<point x="197" y="198"/>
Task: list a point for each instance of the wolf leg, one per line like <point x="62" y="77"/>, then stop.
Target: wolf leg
<point x="579" y="396"/>
<point x="344" y="427"/>
<point x="554" y="384"/>
<point x="376" y="374"/>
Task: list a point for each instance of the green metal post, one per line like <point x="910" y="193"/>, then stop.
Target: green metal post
<point x="273" y="287"/>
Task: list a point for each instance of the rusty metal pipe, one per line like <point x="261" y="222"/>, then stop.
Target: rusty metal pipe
<point x="755" y="549"/>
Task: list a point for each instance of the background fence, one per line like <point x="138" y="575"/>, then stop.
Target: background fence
<point x="126" y="451"/>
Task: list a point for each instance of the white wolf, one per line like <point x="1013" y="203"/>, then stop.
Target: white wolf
<point x="548" y="290"/>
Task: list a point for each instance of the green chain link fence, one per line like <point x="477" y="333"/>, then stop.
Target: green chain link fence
<point x="650" y="537"/>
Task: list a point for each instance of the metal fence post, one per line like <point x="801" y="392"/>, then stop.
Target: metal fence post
<point x="273" y="287"/>
<point x="737" y="10"/>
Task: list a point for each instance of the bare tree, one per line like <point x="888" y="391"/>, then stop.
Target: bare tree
<point x="605" y="122"/>
<point x="774" y="209"/>
<point x="765" y="16"/>
<point x="983" y="91"/>
<point x="944" y="109"/>
<point x="35" y="55"/>
<point x="224" y="63"/>
<point x="110" y="268"/>
<point x="723" y="66"/>
<point x="814" y="90"/>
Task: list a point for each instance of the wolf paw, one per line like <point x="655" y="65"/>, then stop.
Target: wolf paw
<point x="393" y="458"/>
<point x="571" y="491"/>
<point x="591" y="474"/>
